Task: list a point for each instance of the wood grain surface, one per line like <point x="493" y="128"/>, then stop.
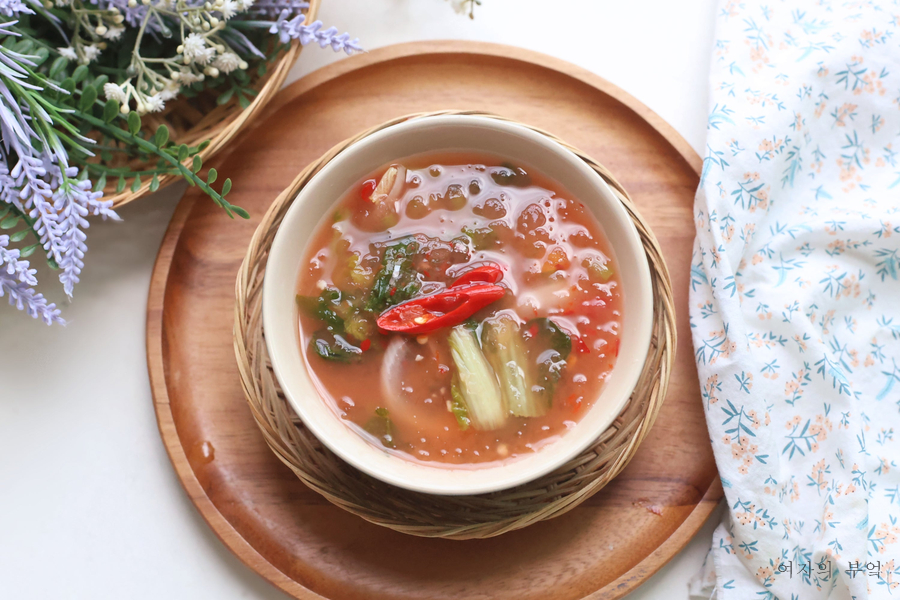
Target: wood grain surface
<point x="289" y="534"/>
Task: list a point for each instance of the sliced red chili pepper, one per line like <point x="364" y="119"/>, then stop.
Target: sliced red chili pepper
<point x="430" y="313"/>
<point x="483" y="274"/>
<point x="581" y="346"/>
<point x="366" y="344"/>
<point x="368" y="186"/>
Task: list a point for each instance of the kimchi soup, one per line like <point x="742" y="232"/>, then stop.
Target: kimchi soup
<point x="457" y="310"/>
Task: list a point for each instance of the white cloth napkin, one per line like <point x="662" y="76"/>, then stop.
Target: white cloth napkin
<point x="795" y="299"/>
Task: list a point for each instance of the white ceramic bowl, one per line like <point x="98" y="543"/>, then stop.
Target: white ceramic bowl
<point x="522" y="146"/>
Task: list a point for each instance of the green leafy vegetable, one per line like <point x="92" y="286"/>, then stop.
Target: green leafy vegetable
<point x="458" y="405"/>
<point x="548" y="345"/>
<point x="359" y="326"/>
<point x="325" y="308"/>
<point x="333" y="346"/>
<point x="478" y="385"/>
<point x="505" y="351"/>
<point x="382" y="427"/>
<point x="397" y="280"/>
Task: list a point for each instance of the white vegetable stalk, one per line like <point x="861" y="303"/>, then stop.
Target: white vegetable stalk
<point x="477" y="382"/>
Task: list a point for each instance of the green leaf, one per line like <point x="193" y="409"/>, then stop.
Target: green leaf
<point x="240" y="212"/>
<point x="203" y="145"/>
<point x="211" y="176"/>
<point x="19" y="235"/>
<point x="106" y="156"/>
<point x="100" y="82"/>
<point x="162" y="136"/>
<point x="154" y="183"/>
<point x="24" y="46"/>
<point x="226" y="187"/>
<point x="110" y="110"/>
<point x="68" y="84"/>
<point x="88" y="97"/>
<point x="136" y="185"/>
<point x="183" y="153"/>
<point x="261" y="70"/>
<point x="57" y="68"/>
<point x="28" y="250"/>
<point x="41" y="56"/>
<point x="225" y="96"/>
<point x="52" y="262"/>
<point x="101" y="183"/>
<point x="121" y="184"/>
<point x="134" y="122"/>
<point x="197" y="164"/>
<point x="4" y="210"/>
<point x="80" y="72"/>
<point x="9" y="222"/>
<point x="243" y="101"/>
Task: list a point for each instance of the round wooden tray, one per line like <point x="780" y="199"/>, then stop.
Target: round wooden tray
<point x="289" y="534"/>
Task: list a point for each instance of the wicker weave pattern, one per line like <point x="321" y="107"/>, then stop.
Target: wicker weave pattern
<point x="195" y="120"/>
<point x="453" y="517"/>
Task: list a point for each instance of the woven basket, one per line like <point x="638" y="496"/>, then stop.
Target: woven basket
<point x="453" y="517"/>
<point x="195" y="120"/>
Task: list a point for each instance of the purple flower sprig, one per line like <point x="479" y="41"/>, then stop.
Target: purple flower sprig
<point x="17" y="281"/>
<point x="38" y="183"/>
<point x="273" y="8"/>
<point x="294" y="28"/>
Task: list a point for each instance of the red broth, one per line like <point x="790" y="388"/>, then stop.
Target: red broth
<point x="444" y="216"/>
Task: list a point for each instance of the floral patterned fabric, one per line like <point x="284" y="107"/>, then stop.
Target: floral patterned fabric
<point x="795" y="299"/>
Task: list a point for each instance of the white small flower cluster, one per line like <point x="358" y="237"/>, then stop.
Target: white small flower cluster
<point x="95" y="28"/>
<point x="202" y="53"/>
<point x="122" y="93"/>
<point x="214" y="59"/>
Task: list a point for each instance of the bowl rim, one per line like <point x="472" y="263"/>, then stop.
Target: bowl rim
<point x="402" y="472"/>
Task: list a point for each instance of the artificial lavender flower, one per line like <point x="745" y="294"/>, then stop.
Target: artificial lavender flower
<point x="10" y="8"/>
<point x="12" y="265"/>
<point x="42" y="185"/>
<point x="48" y="191"/>
<point x="17" y="281"/>
<point x="24" y="297"/>
<point x="73" y="200"/>
<point x="294" y="29"/>
<point x="273" y="8"/>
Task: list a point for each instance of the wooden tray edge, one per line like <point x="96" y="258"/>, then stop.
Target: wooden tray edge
<point x="155" y="302"/>
<point x="223" y="530"/>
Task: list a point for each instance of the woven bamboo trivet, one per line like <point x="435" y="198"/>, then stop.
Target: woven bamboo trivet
<point x="452" y="517"/>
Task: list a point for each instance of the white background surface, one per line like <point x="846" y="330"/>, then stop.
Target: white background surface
<point x="89" y="504"/>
